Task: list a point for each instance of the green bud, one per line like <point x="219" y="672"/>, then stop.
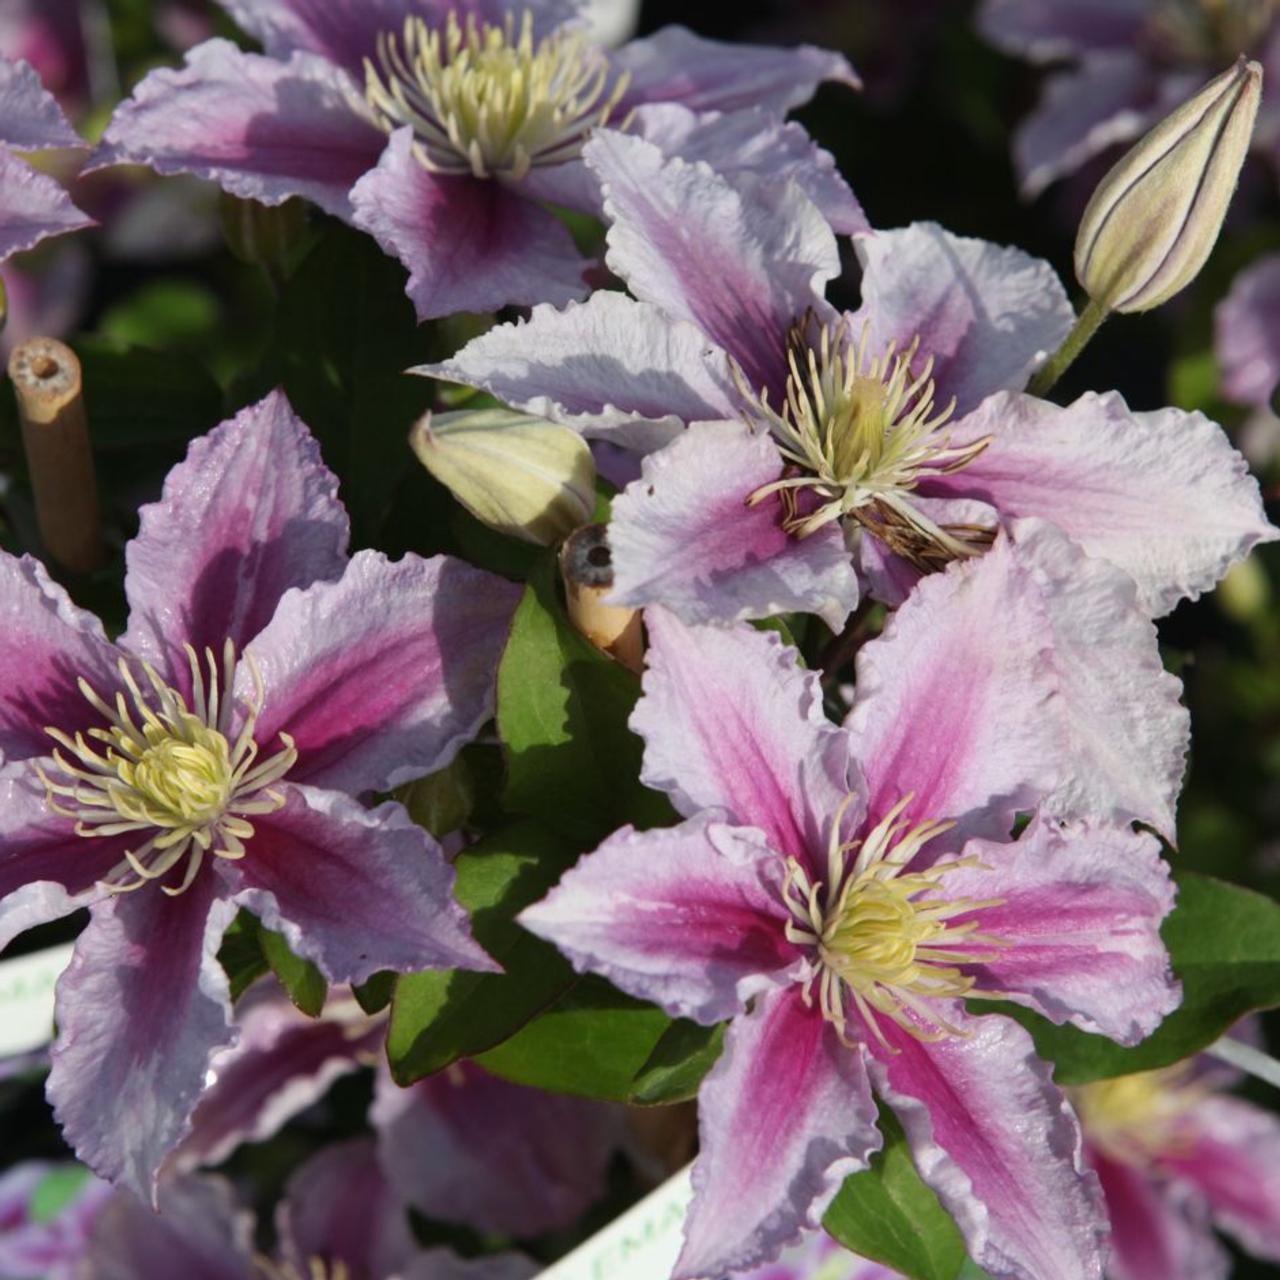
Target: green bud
<point x="521" y="475"/>
<point x="1155" y="217"/>
<point x="263" y="235"/>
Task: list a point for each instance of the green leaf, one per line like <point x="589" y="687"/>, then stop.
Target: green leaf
<point x="374" y="995"/>
<point x="240" y="954"/>
<point x="592" y="1042"/>
<point x="441" y="1016"/>
<point x="58" y="1189"/>
<point x="562" y="714"/>
<point x="679" y="1062"/>
<point x="886" y="1213"/>
<point x="1225" y="944"/>
<point x="305" y="983"/>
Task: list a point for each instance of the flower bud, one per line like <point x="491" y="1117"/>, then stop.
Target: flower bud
<point x="1154" y="218"/>
<point x="521" y="475"/>
<point x="266" y="236"/>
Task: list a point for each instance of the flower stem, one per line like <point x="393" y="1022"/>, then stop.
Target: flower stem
<point x="1247" y="1058"/>
<point x="1087" y="324"/>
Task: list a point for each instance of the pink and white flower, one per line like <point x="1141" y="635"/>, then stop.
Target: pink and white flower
<point x="839" y="893"/>
<point x="215" y="758"/>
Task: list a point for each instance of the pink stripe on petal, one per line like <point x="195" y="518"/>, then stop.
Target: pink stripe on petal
<point x="470" y="244"/>
<point x="1078" y="920"/>
<point x="260" y="129"/>
<point x="353" y="889"/>
<point x="951" y="699"/>
<point x="1156" y="1230"/>
<point x="382" y="676"/>
<point x="732" y="722"/>
<point x="689" y="917"/>
<point x="785" y="1116"/>
<point x="743" y="265"/>
<point x="140" y="1013"/>
<point x="47" y="644"/>
<point x="995" y="1138"/>
<point x="250" y="512"/>
<point x="683" y="536"/>
<point x="1234" y="1162"/>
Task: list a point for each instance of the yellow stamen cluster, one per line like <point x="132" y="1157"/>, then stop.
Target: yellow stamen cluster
<point x="316" y="1269"/>
<point x="858" y="432"/>
<point x="1196" y="30"/>
<point x="1137" y="1118"/>
<point x="167" y="770"/>
<point x="488" y="100"/>
<point x="881" y="941"/>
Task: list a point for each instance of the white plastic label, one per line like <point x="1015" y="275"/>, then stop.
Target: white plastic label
<point x="26" y="999"/>
<point x="642" y="1244"/>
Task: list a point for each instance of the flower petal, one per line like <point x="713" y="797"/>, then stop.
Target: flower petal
<point x="1156" y="1230"/>
<point x="32" y="207"/>
<point x="609" y="367"/>
<point x="1081" y="113"/>
<point x="504" y="1159"/>
<point x="995" y="1138"/>
<point x="346" y="31"/>
<point x="985" y="314"/>
<point x="251" y="512"/>
<point x="47" y="643"/>
<point x="1162" y="495"/>
<point x="743" y="265"/>
<point x="683" y="536"/>
<point x="199" y="1232"/>
<point x="470" y="244"/>
<point x="1247" y="334"/>
<point x="753" y="142"/>
<point x="1233" y="1160"/>
<point x="675" y="65"/>
<point x="30" y="117"/>
<point x="951" y="699"/>
<point x="382" y="676"/>
<point x="46" y="870"/>
<point x="259" y="128"/>
<point x="784" y="1117"/>
<point x="282" y="1063"/>
<point x="141" y="1010"/>
<point x="354" y="889"/>
<point x="1120" y="735"/>
<point x="689" y="917"/>
<point x="1047" y="30"/>
<point x="1078" y="920"/>
<point x="731" y="722"/>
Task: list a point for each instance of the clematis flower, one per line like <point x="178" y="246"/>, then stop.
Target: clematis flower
<point x="339" y="1220"/>
<point x="1177" y="1156"/>
<point x="1120" y="66"/>
<point x="212" y="760"/>
<point x="821" y="1258"/>
<point x="462" y="1146"/>
<point x="442" y="126"/>
<point x="1247" y="335"/>
<point x="48" y="1246"/>
<point x="32" y="205"/>
<point x="903" y="421"/>
<point x="839" y="893"/>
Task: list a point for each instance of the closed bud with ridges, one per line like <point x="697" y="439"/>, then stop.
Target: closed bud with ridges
<point x="518" y="474"/>
<point x="1155" y="217"/>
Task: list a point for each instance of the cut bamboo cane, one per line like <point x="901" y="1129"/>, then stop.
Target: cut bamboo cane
<point x="55" y="435"/>
<point x="587" y="568"/>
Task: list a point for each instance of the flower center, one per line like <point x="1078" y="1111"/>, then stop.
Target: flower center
<point x="486" y="99"/>
<point x="881" y="938"/>
<point x="1139" y="1117"/>
<point x="1207" y="30"/>
<point x="858" y="432"/>
<point x="167" y="771"/>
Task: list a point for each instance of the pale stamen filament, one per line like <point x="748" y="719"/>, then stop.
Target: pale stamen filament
<point x="168" y="770"/>
<point x="881" y="942"/>
<point x="487" y="99"/>
<point x="859" y="433"/>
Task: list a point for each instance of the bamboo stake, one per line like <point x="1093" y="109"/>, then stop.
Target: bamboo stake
<point x="587" y="568"/>
<point x="55" y="434"/>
